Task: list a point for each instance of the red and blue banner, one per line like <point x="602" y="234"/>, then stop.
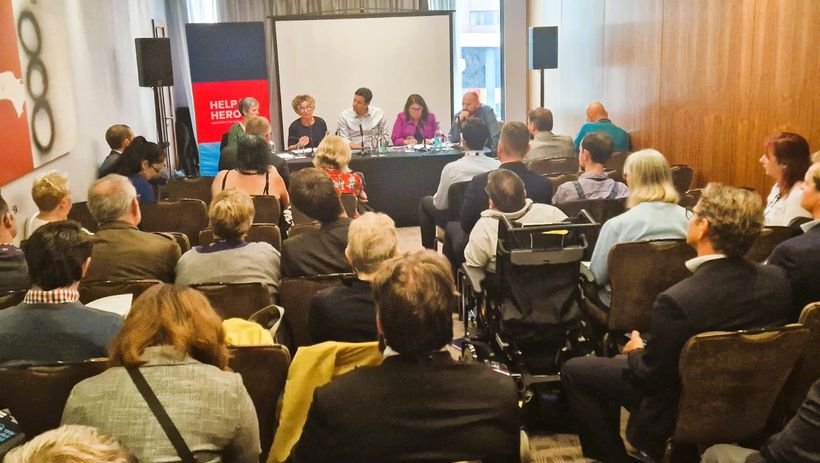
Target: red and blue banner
<point x="228" y="62"/>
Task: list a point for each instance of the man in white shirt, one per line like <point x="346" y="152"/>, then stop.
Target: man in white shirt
<point x="358" y="124"/>
<point x="508" y="198"/>
<point x="432" y="209"/>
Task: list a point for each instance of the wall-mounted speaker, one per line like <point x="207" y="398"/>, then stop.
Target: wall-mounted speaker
<point x="543" y="47"/>
<point x="154" y="62"/>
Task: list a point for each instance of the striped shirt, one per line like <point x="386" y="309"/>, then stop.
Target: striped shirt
<point x="54" y="296"/>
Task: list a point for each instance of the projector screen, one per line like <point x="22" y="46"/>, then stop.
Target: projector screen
<point x="392" y="55"/>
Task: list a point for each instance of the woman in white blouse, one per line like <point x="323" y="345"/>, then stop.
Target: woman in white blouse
<point x="786" y="160"/>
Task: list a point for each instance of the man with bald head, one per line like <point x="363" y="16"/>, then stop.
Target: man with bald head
<point x="471" y="107"/>
<point x="123" y="252"/>
<point x="598" y="121"/>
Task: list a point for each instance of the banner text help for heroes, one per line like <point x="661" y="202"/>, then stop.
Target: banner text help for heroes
<point x="222" y="110"/>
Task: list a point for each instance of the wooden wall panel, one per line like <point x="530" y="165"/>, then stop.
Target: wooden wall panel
<point x="703" y="81"/>
<point x="632" y="74"/>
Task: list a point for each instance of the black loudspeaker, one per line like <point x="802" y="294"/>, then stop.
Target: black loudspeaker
<point x="154" y="62"/>
<point x="544" y="47"/>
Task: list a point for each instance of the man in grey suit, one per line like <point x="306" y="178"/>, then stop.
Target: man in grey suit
<point x="472" y="107"/>
<point x="123" y="252"/>
<point x="545" y="144"/>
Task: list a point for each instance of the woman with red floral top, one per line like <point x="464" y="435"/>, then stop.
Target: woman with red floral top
<point x="333" y="156"/>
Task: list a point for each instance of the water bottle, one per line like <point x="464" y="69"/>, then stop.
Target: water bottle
<point x="437" y="138"/>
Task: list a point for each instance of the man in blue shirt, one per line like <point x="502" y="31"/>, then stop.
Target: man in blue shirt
<point x="598" y="121"/>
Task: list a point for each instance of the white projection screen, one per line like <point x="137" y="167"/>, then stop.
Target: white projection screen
<point x="393" y="55"/>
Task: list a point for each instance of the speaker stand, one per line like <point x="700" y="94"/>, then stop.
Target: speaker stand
<point x="541" y="71"/>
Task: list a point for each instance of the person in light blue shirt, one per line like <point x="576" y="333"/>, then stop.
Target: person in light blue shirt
<point x="653" y="212"/>
<point x="598" y="121"/>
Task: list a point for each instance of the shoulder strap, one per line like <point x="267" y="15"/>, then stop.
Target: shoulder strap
<point x="578" y="189"/>
<point x="267" y="180"/>
<point x="161" y="415"/>
<point x="225" y="179"/>
<point x="614" y="193"/>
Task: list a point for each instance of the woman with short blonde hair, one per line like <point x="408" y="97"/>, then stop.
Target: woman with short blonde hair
<point x="175" y="340"/>
<point x="308" y="130"/>
<point x="653" y="212"/>
<point x="230" y="259"/>
<point x="649" y="177"/>
<point x="71" y="444"/>
<point x="53" y="199"/>
<point x="333" y="156"/>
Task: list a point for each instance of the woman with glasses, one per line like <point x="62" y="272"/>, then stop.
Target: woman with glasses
<point x="248" y="108"/>
<point x="415" y="124"/>
<point x="653" y="213"/>
<point x="142" y="162"/>
<point x="308" y="130"/>
<point x="786" y="160"/>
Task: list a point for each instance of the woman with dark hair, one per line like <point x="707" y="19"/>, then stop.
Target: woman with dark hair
<point x="415" y="124"/>
<point x="253" y="175"/>
<point x="142" y="162"/>
<point x="248" y="108"/>
<point x="786" y="160"/>
<point x="174" y="341"/>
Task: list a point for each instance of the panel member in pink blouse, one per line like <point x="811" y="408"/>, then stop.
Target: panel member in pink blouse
<point x="415" y="124"/>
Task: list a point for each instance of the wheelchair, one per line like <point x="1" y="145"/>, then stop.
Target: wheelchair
<point x="526" y="320"/>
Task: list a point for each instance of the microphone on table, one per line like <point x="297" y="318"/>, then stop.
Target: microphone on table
<point x="361" y="131"/>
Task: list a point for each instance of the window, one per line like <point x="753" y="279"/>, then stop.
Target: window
<point x="477" y="42"/>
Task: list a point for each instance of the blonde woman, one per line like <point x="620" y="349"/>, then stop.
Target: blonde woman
<point x="230" y="258"/>
<point x="653" y="210"/>
<point x="333" y="156"/>
<point x="174" y="339"/>
<point x="308" y="130"/>
<point x="71" y="444"/>
<point x="53" y="199"/>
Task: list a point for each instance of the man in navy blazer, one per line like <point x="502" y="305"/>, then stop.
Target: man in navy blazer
<point x="725" y="293"/>
<point x="800" y="256"/>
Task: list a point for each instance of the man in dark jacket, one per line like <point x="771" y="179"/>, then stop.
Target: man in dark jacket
<point x="725" y="293"/>
<point x="420" y="404"/>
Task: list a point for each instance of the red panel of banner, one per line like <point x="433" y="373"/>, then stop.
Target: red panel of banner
<point x="16" y="147"/>
<point x="216" y="105"/>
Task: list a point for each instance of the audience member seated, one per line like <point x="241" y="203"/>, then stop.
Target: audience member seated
<point x="308" y="130"/>
<point x="253" y="174"/>
<point x="433" y="209"/>
<point x="230" y="259"/>
<point x="786" y="160"/>
<point x="248" y="108"/>
<point x="333" y="157"/>
<point x="51" y="325"/>
<point x="123" y="252"/>
<point x="321" y="251"/>
<point x="512" y="148"/>
<point x="726" y="293"/>
<point x="419" y="404"/>
<point x="358" y="124"/>
<point x="471" y="107"/>
<point x="654" y="213"/>
<point x="796" y="443"/>
<point x="53" y="199"/>
<point x="71" y="444"/>
<point x="13" y="268"/>
<point x="800" y="256"/>
<point x="348" y="313"/>
<point x="258" y="126"/>
<point x="416" y="124"/>
<point x="594" y="183"/>
<point x="174" y="340"/>
<point x="508" y="198"/>
<point x="142" y="162"/>
<point x="545" y="144"/>
<point x="598" y="121"/>
<point x="118" y="137"/>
